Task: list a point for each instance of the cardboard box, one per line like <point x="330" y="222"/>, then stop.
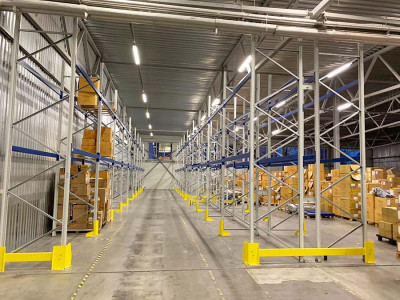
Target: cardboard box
<point x="88" y="142"/>
<point x="393" y="172"/>
<point x="85" y="87"/>
<point x="106" y="149"/>
<point x="106" y="134"/>
<point x="378" y="174"/>
<point x="83" y="177"/>
<point x="371" y="208"/>
<point x="77" y="168"/>
<point x="89" y="134"/>
<point x="90" y="149"/>
<point x="81" y="189"/>
<point x="87" y="99"/>
<point x="386" y="229"/>
<point x="73" y="200"/>
<point x="389" y="214"/>
<point x="76" y="212"/>
<point x="386" y="184"/>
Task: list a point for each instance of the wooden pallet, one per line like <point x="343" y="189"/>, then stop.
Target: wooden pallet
<point x="94" y="108"/>
<point x="346" y="218"/>
<point x="391" y="241"/>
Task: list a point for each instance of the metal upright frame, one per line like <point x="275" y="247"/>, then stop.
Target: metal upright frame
<point x="221" y="159"/>
<point x="61" y="255"/>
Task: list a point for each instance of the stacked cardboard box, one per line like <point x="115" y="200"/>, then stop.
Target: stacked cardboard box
<point x="398" y="230"/>
<point x="78" y="211"/>
<point x="325" y="205"/>
<point x="104" y="193"/>
<point x="87" y="97"/>
<point x="350" y="191"/>
<point x="380" y="203"/>
<point x="388" y="226"/>
<point x="89" y="141"/>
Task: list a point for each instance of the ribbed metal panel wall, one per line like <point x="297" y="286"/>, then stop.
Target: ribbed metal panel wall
<point x="387" y="156"/>
<point x="25" y="223"/>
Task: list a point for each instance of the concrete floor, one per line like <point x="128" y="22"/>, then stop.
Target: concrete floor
<point x="159" y="248"/>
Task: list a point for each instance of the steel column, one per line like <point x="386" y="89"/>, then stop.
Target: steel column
<point x="71" y="103"/>
<point x="317" y="143"/>
<point x="301" y="143"/>
<point x="251" y="137"/>
<point x="9" y="130"/>
<point x="363" y="158"/>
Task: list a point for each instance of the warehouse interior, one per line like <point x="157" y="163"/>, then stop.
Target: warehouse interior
<point x="180" y="149"/>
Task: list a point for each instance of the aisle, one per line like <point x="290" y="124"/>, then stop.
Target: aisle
<point x="159" y="248"/>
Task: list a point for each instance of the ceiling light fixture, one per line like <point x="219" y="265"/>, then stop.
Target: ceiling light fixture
<point x="150" y="127"/>
<point x="144" y="97"/>
<point x="276" y="131"/>
<point x="216" y="102"/>
<point x="147" y="115"/>
<point x="344" y="106"/>
<point x="136" y="54"/>
<point x="339" y="70"/>
<point x="151" y="134"/>
<point x="280" y="104"/>
<point x="203" y="117"/>
<point x="245" y="65"/>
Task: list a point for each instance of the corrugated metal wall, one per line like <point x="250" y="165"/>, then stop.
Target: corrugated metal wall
<point x="386" y="156"/>
<point x="25" y="223"/>
<point x="160" y="175"/>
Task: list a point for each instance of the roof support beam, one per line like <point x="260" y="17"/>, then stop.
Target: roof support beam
<point x="320" y="8"/>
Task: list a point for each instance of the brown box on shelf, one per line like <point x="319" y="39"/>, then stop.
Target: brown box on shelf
<point x="393" y="172"/>
<point x="386" y="184"/>
<point x="106" y="134"/>
<point x="290" y="169"/>
<point x="85" y="87"/>
<point x="81" y="189"/>
<point x="106" y="149"/>
<point x="89" y="134"/>
<point x="73" y="200"/>
<point x="87" y="99"/>
<point x="371" y="208"/>
<point x="378" y="174"/>
<point x="90" y="149"/>
<point x="88" y="142"/>
<point x="77" y="168"/>
<point x="82" y="177"/>
<point x="370" y="186"/>
<point x="76" y="212"/>
<point x="386" y="229"/>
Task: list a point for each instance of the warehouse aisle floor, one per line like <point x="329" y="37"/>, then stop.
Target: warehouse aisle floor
<point x="158" y="248"/>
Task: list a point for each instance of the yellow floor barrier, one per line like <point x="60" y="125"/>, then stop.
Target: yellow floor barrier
<point x="252" y="252"/>
<point x="60" y="257"/>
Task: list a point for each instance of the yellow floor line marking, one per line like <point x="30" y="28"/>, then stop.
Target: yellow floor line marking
<point x="96" y="261"/>
<point x="202" y="257"/>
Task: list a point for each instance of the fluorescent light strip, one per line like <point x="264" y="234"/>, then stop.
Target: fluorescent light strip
<point x="339" y="70"/>
<point x="144" y="97"/>
<point x="136" y="54"/>
<point x="216" y="102"/>
<point x="344" y="106"/>
<point x="280" y="104"/>
<point x="276" y="131"/>
<point x="245" y="65"/>
<point x="147" y="115"/>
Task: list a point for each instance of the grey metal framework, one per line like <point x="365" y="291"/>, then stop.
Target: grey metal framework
<point x="126" y="166"/>
<point x="226" y="144"/>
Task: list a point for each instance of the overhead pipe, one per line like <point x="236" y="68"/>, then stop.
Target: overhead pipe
<point x="242" y="27"/>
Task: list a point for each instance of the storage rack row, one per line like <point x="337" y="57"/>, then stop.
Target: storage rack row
<point x="126" y="165"/>
<point x="224" y="145"/>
